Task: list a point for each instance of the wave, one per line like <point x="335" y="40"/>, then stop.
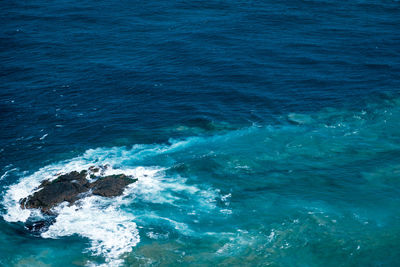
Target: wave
<point x="109" y="224"/>
<point x="177" y="182"/>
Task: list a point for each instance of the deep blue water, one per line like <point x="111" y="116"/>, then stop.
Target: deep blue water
<point x="268" y="131"/>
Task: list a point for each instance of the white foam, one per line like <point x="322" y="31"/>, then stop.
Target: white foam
<point x="157" y="188"/>
<point x="110" y="230"/>
<point x="157" y="236"/>
<point x="181" y="227"/>
<point x="27" y="185"/>
<point x="43" y="137"/>
<point x="7" y="172"/>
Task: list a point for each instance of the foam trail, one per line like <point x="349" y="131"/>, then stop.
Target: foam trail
<point x="7" y="172"/>
<point x="43" y="137"/>
<point x="111" y="230"/>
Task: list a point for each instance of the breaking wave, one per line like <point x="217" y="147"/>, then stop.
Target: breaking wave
<point x="108" y="223"/>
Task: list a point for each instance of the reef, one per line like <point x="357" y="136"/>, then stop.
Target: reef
<point x="76" y="185"/>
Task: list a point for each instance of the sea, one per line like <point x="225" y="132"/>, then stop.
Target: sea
<point x="262" y="133"/>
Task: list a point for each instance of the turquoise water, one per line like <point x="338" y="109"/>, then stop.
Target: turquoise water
<point x="262" y="133"/>
<point x="320" y="189"/>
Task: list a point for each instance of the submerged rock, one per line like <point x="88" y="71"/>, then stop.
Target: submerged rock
<point x="73" y="186"/>
<point x="40" y="226"/>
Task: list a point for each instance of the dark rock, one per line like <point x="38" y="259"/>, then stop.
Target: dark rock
<point x="40" y="226"/>
<point x="111" y="186"/>
<point x="94" y="169"/>
<point x="53" y="194"/>
<point x="73" y="186"/>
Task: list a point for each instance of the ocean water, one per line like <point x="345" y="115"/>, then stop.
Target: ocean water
<point x="262" y="133"/>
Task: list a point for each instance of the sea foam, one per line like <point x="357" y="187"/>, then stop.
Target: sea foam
<point x="110" y="227"/>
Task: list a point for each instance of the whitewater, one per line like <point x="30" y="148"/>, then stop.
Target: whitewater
<point x="254" y="194"/>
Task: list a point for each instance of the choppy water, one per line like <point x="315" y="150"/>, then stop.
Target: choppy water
<point x="262" y="133"/>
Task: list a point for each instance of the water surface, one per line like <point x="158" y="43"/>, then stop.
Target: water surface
<point x="262" y="133"/>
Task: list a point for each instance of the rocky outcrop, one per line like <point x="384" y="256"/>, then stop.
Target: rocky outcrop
<point x="110" y="186"/>
<point x="75" y="185"/>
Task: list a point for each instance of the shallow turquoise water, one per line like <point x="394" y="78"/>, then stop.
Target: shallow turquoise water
<point x="321" y="189"/>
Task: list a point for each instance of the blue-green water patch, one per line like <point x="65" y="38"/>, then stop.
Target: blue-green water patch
<point x="322" y="192"/>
